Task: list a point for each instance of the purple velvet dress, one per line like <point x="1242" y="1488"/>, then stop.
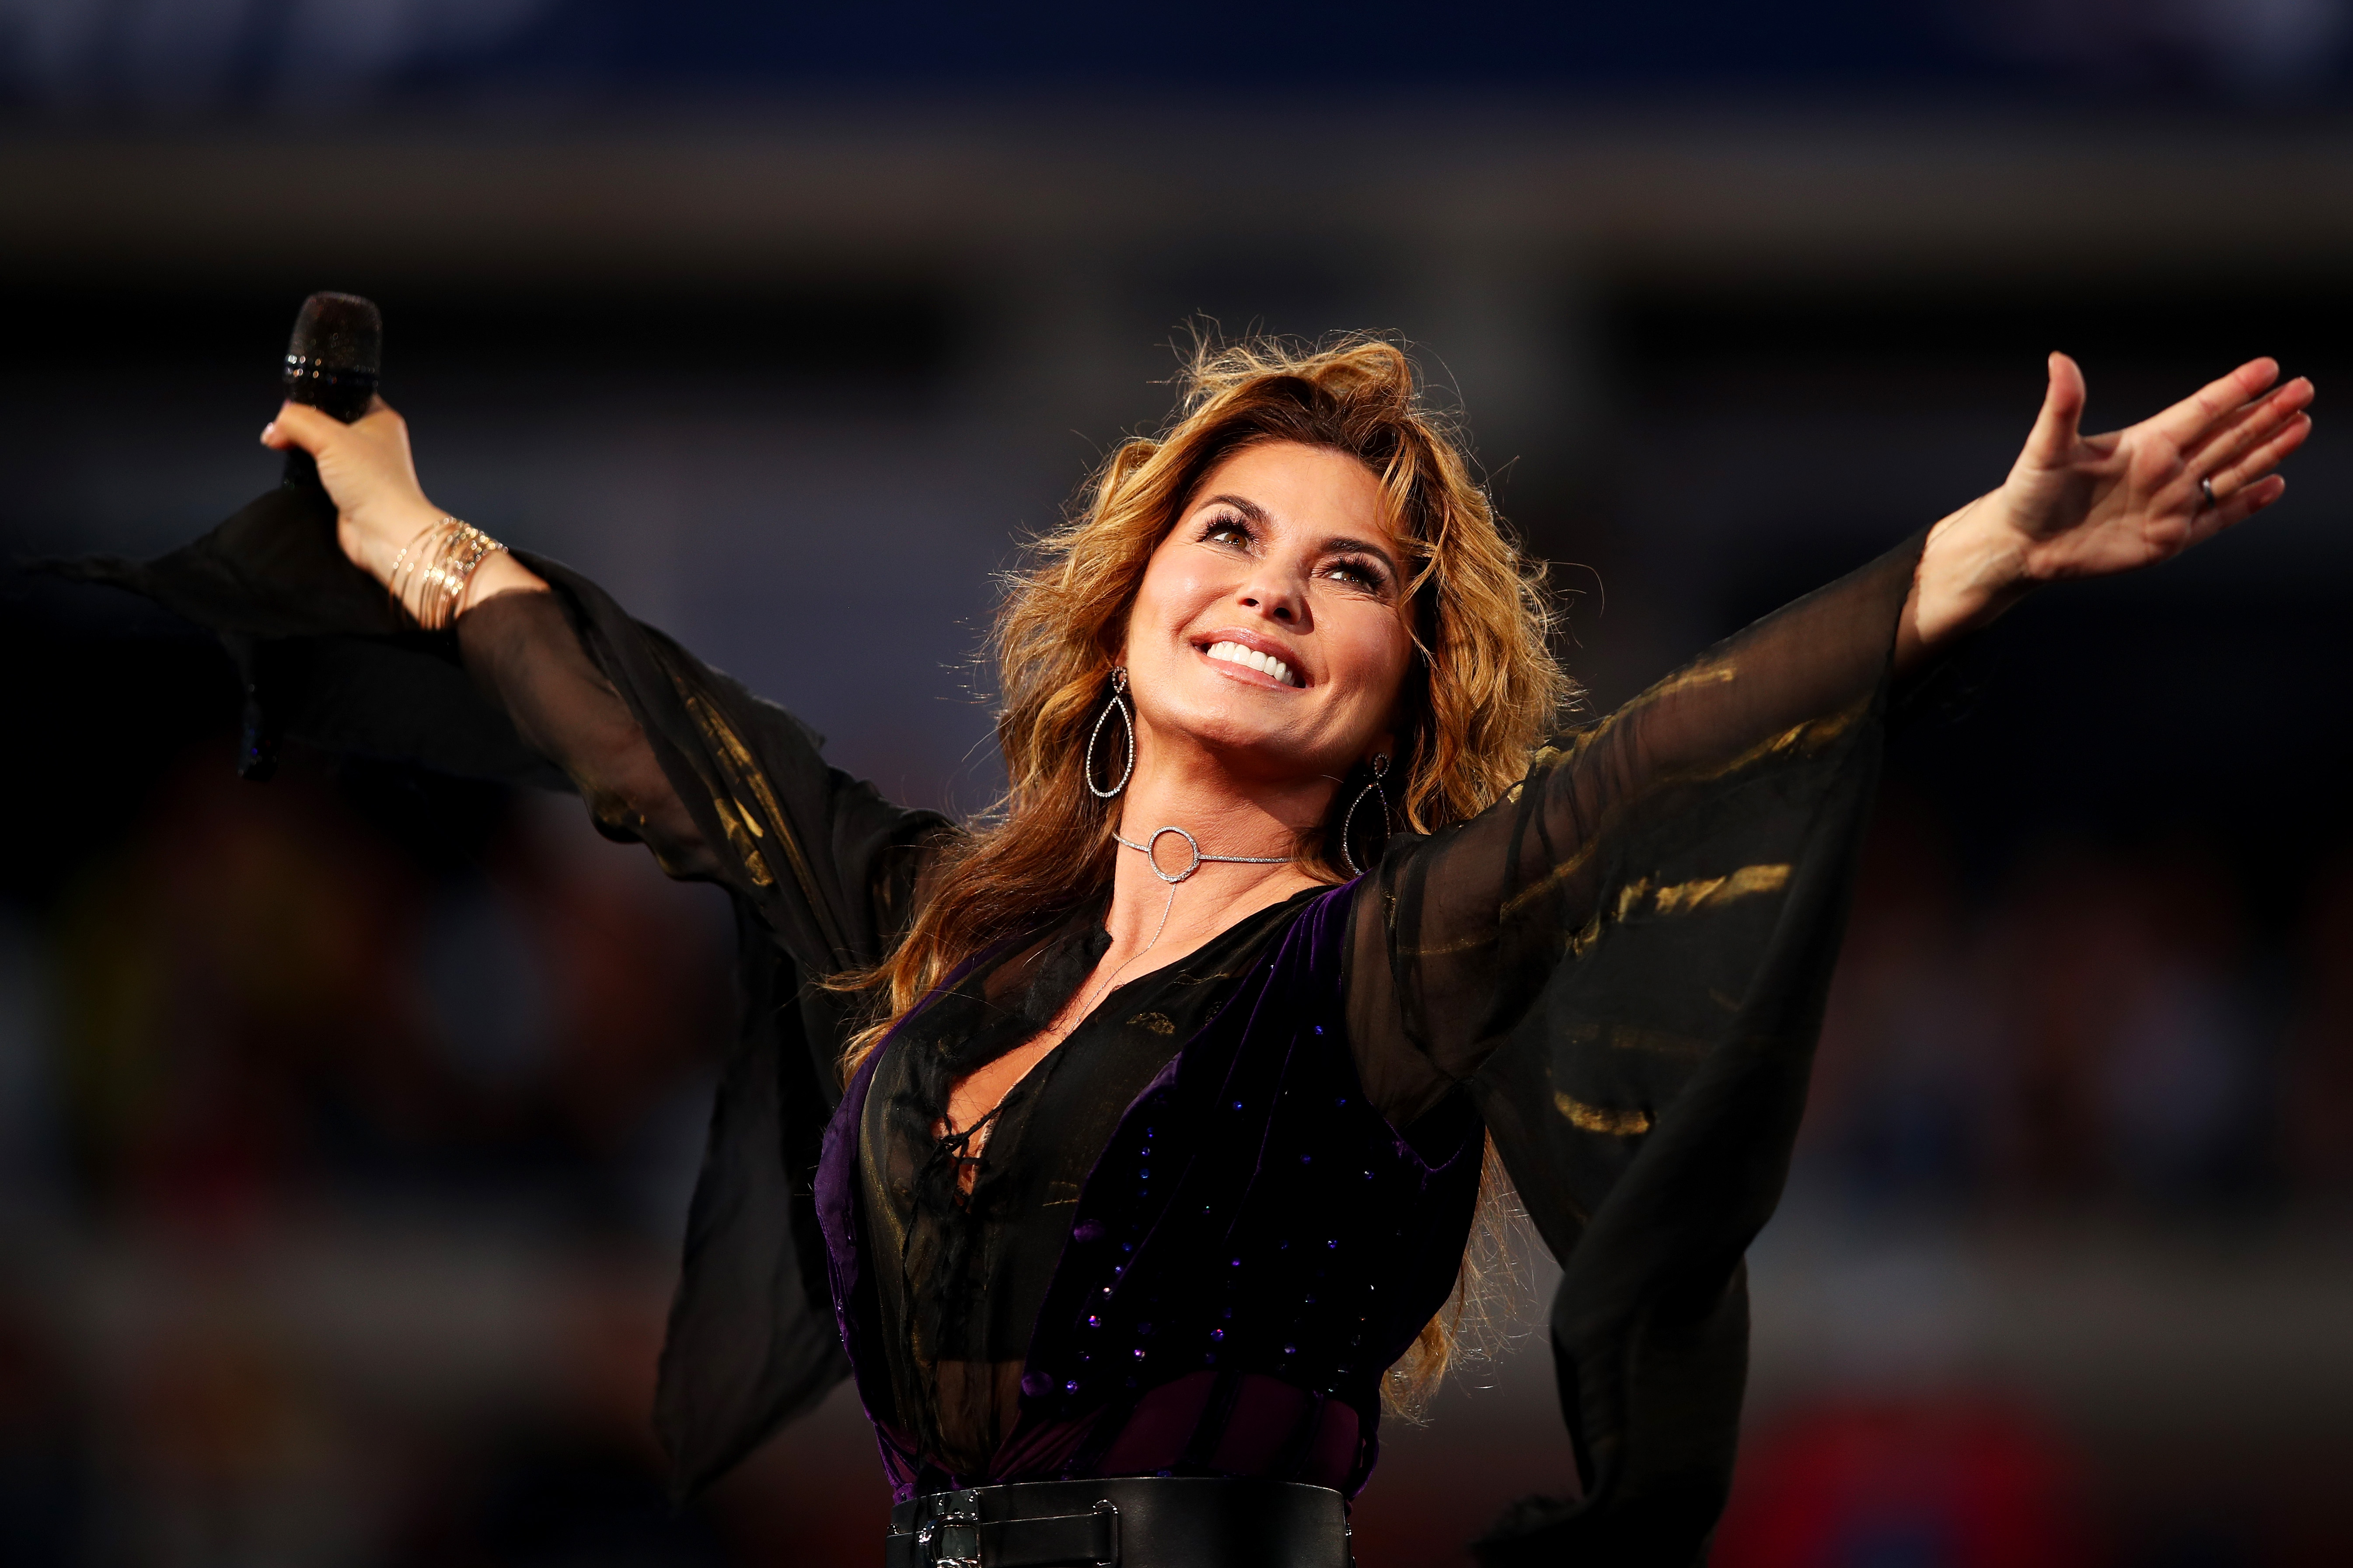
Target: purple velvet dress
<point x="1243" y="1247"/>
<point x="1244" y="1182"/>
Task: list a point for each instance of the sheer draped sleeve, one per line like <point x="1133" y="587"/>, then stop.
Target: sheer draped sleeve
<point x="1624" y="965"/>
<point x="565" y="690"/>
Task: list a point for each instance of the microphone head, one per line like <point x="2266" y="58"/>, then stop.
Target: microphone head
<point x="335" y="354"/>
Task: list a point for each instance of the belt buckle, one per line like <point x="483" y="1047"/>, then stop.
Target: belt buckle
<point x="951" y="1537"/>
<point x="1110" y="1514"/>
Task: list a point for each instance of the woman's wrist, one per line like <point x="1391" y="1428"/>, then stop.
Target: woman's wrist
<point x="1973" y="567"/>
<point x="499" y="574"/>
<point x="434" y="566"/>
<point x="376" y="544"/>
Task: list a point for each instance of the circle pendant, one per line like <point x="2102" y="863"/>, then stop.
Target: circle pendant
<point x="1152" y="857"/>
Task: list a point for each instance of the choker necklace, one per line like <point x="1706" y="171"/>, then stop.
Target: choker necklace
<point x="1173" y="878"/>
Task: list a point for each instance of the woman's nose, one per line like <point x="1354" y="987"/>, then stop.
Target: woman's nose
<point x="1277" y="600"/>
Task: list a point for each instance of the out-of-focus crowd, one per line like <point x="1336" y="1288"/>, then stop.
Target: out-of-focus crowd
<point x="349" y="1124"/>
<point x="2082" y="1125"/>
<point x="2088" y="1025"/>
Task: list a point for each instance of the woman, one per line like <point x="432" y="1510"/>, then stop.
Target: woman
<point x="1168" y="1087"/>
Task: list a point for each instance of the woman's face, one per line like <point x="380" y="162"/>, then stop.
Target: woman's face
<point x="1269" y="629"/>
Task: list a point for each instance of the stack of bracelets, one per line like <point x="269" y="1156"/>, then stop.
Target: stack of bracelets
<point x="445" y="556"/>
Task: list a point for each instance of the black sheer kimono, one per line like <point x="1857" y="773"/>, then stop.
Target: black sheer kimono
<point x="1214" y="1214"/>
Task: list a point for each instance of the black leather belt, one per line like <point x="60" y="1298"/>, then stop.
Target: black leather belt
<point x="1125" y="1521"/>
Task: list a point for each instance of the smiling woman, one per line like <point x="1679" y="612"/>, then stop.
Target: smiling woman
<point x="1155" y="1165"/>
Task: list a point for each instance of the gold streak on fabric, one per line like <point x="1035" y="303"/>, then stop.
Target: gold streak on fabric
<point x="1715" y="893"/>
<point x="1547" y="882"/>
<point x="1601" y="1118"/>
<point x="1800" y="738"/>
<point x="736" y="759"/>
<point x="1672" y="686"/>
<point x="1580" y="942"/>
<point x="1655" y="1042"/>
<point x="1685" y="681"/>
<point x="1636" y="1037"/>
<point x="739" y="839"/>
<point x="1809" y="736"/>
<point x="1486" y="936"/>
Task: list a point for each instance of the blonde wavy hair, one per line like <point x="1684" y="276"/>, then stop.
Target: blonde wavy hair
<point x="1483" y="691"/>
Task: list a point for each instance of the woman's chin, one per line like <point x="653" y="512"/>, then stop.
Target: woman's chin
<point x="1257" y="755"/>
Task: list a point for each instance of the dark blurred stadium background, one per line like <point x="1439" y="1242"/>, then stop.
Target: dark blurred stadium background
<point x="346" y="1122"/>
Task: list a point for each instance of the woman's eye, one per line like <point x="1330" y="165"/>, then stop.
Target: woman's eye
<point x="1228" y="528"/>
<point x="1356" y="574"/>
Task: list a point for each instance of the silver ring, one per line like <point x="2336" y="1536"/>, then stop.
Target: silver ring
<point x="1154" y="861"/>
<point x="2206" y="489"/>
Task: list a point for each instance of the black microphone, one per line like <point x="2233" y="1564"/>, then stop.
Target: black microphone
<point x="331" y="364"/>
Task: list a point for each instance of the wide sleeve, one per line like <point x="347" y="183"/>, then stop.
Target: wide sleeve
<point x="1624" y="964"/>
<point x="565" y="689"/>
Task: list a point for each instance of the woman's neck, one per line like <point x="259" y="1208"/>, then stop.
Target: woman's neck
<point x="1189" y="789"/>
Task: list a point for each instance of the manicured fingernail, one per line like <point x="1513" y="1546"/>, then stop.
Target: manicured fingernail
<point x="269" y="430"/>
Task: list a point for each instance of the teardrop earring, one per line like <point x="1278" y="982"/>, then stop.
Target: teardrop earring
<point x="1372" y="787"/>
<point x="1126" y="723"/>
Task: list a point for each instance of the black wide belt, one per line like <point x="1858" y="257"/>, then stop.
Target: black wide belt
<point x="1124" y="1521"/>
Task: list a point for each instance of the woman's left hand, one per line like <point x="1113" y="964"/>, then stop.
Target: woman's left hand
<point x="2085" y="506"/>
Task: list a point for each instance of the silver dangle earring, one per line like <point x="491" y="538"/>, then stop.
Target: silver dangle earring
<point x="1126" y="722"/>
<point x="1372" y="787"/>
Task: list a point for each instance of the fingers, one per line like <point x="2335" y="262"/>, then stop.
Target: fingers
<point x="2230" y="511"/>
<point x="2191" y="420"/>
<point x="2248" y="426"/>
<point x="2256" y="461"/>
<point x="2056" y="427"/>
<point x="298" y="425"/>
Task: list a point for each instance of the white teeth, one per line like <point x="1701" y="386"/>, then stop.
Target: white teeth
<point x="1251" y="658"/>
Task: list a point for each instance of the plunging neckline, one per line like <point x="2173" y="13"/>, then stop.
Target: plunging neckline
<point x="943" y="1129"/>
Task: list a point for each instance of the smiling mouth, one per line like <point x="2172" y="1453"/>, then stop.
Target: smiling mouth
<point x="1251" y="658"/>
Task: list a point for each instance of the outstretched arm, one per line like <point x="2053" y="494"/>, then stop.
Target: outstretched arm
<point x="1670" y="813"/>
<point x="719" y="784"/>
<point x="516" y="640"/>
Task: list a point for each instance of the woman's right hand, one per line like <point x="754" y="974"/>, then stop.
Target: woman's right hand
<point x="380" y="509"/>
<point x="366" y="468"/>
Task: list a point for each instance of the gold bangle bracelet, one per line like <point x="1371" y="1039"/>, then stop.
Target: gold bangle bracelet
<point x="445" y="569"/>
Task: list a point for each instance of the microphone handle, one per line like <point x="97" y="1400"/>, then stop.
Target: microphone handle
<point x="342" y="394"/>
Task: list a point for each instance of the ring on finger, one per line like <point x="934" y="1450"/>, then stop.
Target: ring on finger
<point x="2205" y="492"/>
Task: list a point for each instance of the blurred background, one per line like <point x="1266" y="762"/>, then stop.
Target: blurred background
<point x="346" y="1122"/>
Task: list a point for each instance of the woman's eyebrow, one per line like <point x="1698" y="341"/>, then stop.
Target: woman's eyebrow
<point x="1242" y="504"/>
<point x="1336" y="546"/>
